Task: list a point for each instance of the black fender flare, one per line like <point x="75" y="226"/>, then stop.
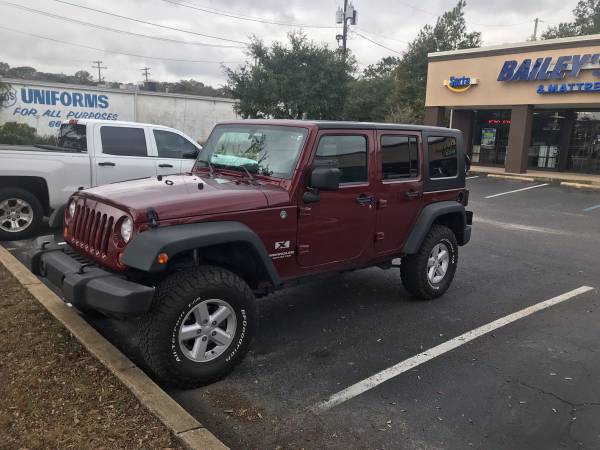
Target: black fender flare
<point x="141" y="253"/>
<point x="426" y="219"/>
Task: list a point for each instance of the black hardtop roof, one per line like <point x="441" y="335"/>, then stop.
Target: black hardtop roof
<point x="338" y="124"/>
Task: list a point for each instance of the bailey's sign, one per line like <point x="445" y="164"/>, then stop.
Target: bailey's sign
<point x="562" y="68"/>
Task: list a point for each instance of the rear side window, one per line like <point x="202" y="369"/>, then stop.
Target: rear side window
<point x="172" y="145"/>
<point x="73" y="136"/>
<point x="350" y="154"/>
<point x="399" y="157"/>
<point x="123" y="141"/>
<point x="443" y="157"/>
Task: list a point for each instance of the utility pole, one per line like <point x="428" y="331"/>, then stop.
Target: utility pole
<point x="535" y="28"/>
<point x="146" y="72"/>
<point x="347" y="16"/>
<point x="99" y="66"/>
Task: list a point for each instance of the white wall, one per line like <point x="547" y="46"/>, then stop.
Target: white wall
<point x="44" y="105"/>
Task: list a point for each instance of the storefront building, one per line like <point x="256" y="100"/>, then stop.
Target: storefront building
<point x="526" y="106"/>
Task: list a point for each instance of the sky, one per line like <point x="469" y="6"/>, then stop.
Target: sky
<point x="36" y="37"/>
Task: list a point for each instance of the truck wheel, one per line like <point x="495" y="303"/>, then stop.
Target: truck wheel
<point x="21" y="213"/>
<point x="199" y="327"/>
<point x="428" y="274"/>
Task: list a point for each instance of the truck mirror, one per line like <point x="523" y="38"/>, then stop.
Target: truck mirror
<point x="325" y="178"/>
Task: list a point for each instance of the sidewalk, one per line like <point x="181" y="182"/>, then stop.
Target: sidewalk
<point x="541" y="175"/>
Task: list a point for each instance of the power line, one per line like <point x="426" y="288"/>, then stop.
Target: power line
<point x="243" y="17"/>
<point x="382" y="36"/>
<point x="119" y="53"/>
<point x="114" y="30"/>
<point x="166" y="27"/>
<point x="376" y="43"/>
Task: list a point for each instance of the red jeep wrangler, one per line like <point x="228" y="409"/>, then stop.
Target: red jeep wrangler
<point x="269" y="202"/>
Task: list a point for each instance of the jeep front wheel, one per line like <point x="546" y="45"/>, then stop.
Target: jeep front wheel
<point x="199" y="327"/>
<point x="428" y="274"/>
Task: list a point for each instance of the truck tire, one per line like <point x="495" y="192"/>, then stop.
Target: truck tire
<point x="428" y="273"/>
<point x="199" y="327"/>
<point x="21" y="213"/>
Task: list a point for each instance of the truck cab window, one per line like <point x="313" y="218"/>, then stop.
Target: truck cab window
<point x="350" y="154"/>
<point x="443" y="157"/>
<point x="73" y="136"/>
<point x="172" y="145"/>
<point x="123" y="141"/>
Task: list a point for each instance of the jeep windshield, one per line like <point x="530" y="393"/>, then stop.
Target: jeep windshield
<point x="259" y="149"/>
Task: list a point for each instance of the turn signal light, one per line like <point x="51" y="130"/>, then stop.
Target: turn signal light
<point x="65" y="232"/>
<point x="162" y="258"/>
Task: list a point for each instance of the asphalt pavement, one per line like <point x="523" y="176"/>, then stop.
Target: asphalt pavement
<point x="532" y="383"/>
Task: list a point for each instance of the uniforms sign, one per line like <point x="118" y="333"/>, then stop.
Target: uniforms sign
<point x="44" y="108"/>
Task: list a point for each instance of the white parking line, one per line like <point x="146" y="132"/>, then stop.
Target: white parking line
<point x="518" y="190"/>
<point x="417" y="360"/>
<point x="470" y="178"/>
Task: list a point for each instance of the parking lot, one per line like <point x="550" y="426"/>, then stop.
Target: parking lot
<point x="532" y="383"/>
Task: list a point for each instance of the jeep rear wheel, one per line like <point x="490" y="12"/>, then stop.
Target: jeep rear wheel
<point x="199" y="327"/>
<point x="429" y="273"/>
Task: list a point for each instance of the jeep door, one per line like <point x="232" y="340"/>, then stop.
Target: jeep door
<point x="399" y="188"/>
<point x="340" y="226"/>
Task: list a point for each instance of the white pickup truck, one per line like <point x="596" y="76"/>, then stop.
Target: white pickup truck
<point x="37" y="180"/>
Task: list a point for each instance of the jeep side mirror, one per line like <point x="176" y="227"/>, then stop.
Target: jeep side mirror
<point x="325" y="178"/>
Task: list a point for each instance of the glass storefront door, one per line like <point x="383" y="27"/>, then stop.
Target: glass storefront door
<point x="490" y="136"/>
<point x="584" y="149"/>
<point x="546" y="139"/>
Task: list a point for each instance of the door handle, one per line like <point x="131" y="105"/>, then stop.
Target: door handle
<point x="106" y="163"/>
<point x="364" y="199"/>
<point x="412" y="194"/>
<point x="165" y="165"/>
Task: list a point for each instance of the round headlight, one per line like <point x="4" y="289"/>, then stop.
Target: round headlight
<point x="126" y="229"/>
<point x="72" y="206"/>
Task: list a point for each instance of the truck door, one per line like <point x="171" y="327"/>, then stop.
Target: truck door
<point x="174" y="153"/>
<point x="121" y="154"/>
<point x="340" y="226"/>
<point x="399" y="188"/>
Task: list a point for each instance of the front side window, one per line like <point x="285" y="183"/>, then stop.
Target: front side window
<point x="349" y="153"/>
<point x="399" y="157"/>
<point x="172" y="145"/>
<point x="262" y="149"/>
<point x="123" y="141"/>
<point x="443" y="157"/>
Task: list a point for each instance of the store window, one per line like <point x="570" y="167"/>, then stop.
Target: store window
<point x="491" y="136"/>
<point x="584" y="148"/>
<point x="546" y="134"/>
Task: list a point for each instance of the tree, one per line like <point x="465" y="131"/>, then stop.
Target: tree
<point x="369" y="96"/>
<point x="302" y="80"/>
<point x="449" y="33"/>
<point x="82" y="77"/>
<point x="587" y="21"/>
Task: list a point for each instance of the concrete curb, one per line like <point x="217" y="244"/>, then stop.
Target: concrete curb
<point x="531" y="176"/>
<point x="180" y="422"/>
<point x="580" y="185"/>
<point x="510" y="177"/>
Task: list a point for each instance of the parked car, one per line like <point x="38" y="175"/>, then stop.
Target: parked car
<point x="37" y="180"/>
<point x="269" y="203"/>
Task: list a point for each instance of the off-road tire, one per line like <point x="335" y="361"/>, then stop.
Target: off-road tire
<point x="413" y="268"/>
<point x="176" y="296"/>
<point x="36" y="208"/>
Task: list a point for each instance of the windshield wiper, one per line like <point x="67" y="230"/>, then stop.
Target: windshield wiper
<point x="250" y="176"/>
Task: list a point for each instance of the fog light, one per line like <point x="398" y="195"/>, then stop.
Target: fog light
<point x="162" y="258"/>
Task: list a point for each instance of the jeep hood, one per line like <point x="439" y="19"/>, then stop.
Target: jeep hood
<point x="178" y="196"/>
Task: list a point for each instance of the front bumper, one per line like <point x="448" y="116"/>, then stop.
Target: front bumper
<point x="85" y="285"/>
